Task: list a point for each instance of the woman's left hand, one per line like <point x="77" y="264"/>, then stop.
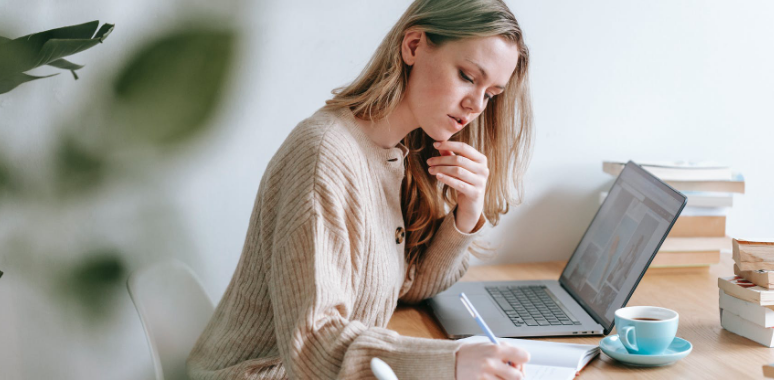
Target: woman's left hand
<point x="466" y="170"/>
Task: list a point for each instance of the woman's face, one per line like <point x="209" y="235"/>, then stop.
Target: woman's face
<point x="450" y="85"/>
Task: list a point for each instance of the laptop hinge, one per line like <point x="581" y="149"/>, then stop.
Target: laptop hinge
<point x="590" y="313"/>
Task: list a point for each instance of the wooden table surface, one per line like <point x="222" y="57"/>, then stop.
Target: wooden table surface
<point x="717" y="353"/>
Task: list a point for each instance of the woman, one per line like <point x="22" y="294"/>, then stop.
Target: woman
<point x="348" y="220"/>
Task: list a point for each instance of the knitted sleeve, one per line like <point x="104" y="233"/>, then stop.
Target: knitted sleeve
<point x="444" y="261"/>
<point x="312" y="295"/>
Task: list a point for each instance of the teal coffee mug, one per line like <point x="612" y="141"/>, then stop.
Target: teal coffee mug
<point x="646" y="330"/>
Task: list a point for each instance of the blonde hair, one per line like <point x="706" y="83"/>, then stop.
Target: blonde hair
<point x="503" y="131"/>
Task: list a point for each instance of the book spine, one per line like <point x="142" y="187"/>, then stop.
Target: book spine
<point x="740" y="292"/>
<point x="762" y="279"/>
<point x="748" y="259"/>
<point x="695" y="244"/>
<point x="756" y="314"/>
<point x="733" y="186"/>
<point x="612" y="168"/>
<point x="762" y="253"/>
<point x="709" y="199"/>
<point x="678" y="269"/>
<point x="747" y="329"/>
<point x="669" y="259"/>
<point x="699" y="226"/>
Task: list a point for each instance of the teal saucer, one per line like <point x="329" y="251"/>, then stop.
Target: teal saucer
<point x="678" y="349"/>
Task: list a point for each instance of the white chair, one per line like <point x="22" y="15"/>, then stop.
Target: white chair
<point x="174" y="310"/>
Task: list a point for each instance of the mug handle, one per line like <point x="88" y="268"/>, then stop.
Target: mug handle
<point x="623" y="334"/>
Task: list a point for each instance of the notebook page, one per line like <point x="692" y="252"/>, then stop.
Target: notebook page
<point x="542" y="372"/>
<point x="551" y="354"/>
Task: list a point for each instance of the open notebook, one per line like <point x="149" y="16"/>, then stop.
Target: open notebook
<point x="549" y="360"/>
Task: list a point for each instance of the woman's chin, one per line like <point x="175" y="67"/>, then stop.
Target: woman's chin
<point x="440" y="135"/>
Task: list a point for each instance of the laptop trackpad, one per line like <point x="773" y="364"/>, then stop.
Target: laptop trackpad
<point x="456" y="310"/>
<point x="485" y="306"/>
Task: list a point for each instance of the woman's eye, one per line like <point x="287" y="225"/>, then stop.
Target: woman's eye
<point x="465" y="77"/>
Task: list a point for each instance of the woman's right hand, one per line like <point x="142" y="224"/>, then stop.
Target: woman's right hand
<point x="490" y="361"/>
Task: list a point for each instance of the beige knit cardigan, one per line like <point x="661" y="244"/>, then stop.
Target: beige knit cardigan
<point x="323" y="267"/>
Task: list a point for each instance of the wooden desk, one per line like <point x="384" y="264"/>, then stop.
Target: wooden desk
<point x="717" y="353"/>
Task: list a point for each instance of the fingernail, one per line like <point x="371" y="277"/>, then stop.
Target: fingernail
<point x="436" y="144"/>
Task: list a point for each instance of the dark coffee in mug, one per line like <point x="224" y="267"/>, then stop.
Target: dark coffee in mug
<point x="646" y="330"/>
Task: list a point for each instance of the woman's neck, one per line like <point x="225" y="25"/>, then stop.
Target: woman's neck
<point x="390" y="130"/>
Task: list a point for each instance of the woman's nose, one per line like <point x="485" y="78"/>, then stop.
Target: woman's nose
<point x="475" y="103"/>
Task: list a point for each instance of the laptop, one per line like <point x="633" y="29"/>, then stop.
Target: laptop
<point x="601" y="275"/>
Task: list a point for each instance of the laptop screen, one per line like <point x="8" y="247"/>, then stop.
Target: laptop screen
<point x="620" y="242"/>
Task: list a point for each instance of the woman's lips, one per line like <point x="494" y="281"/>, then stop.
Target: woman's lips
<point x="457" y="124"/>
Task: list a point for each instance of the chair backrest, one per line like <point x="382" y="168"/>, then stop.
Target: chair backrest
<point x="174" y="310"/>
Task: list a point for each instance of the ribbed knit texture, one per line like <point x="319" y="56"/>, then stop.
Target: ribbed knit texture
<point x="321" y="272"/>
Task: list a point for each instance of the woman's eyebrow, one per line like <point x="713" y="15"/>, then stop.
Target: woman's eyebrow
<point x="483" y="73"/>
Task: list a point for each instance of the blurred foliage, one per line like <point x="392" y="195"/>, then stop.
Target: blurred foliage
<point x="169" y="90"/>
<point x="46" y="48"/>
<point x="77" y="169"/>
<point x="94" y="281"/>
<point x="163" y="96"/>
<point x="6" y="184"/>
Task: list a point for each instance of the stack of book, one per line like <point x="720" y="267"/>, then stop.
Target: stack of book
<point x="747" y="299"/>
<point x="699" y="234"/>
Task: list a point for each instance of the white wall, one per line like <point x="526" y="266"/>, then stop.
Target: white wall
<point x="657" y="80"/>
<point x="653" y="80"/>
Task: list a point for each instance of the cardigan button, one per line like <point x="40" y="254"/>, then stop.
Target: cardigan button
<point x="399" y="235"/>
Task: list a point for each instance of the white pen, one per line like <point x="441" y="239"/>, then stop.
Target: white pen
<point x="477" y="317"/>
<point x="382" y="370"/>
<point x="479" y="320"/>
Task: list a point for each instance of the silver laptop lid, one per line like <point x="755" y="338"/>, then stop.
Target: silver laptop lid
<point x="620" y="242"/>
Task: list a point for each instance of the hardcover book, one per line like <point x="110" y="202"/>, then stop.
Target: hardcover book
<point x="760" y="315"/>
<point x="745" y="290"/>
<point x="753" y="255"/>
<point x="680" y="170"/>
<point x="762" y="278"/>
<point x="699" y="226"/>
<point x="747" y="329"/>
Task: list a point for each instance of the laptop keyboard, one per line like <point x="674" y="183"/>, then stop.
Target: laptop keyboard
<point x="531" y="305"/>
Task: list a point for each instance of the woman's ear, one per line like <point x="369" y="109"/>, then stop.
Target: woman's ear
<point x="409" y="46"/>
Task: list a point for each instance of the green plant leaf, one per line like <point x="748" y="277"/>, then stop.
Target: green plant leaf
<point x="21" y="54"/>
<point x="46" y="48"/>
<point x="85" y="30"/>
<point x="170" y="88"/>
<point x="65" y="64"/>
<point x="8" y="83"/>
<point x="55" y="49"/>
<point x="104" y="32"/>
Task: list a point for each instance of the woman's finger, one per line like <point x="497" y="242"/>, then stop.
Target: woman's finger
<point x="504" y="371"/>
<point x="462" y="149"/>
<point x="458" y="160"/>
<point x="515" y="355"/>
<point x="459" y="173"/>
<point x="462" y="187"/>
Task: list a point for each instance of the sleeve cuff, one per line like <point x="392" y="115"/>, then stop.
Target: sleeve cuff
<point x="482" y="222"/>
<point x="409" y="357"/>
